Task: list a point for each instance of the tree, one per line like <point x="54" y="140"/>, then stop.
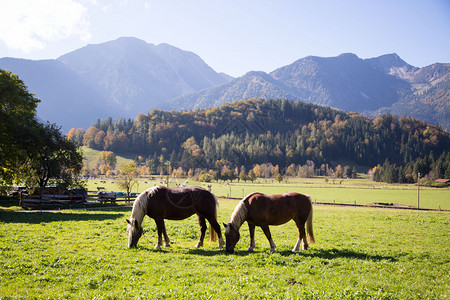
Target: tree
<point x="89" y="137"/>
<point x="227" y="174"/>
<point x="204" y="177"/>
<point x="339" y="171"/>
<point x="192" y="154"/>
<point x="17" y="118"/>
<point x="76" y="136"/>
<point x="243" y="176"/>
<point x="127" y="177"/>
<point x="348" y="172"/>
<point x="279" y="177"/>
<point x="99" y="140"/>
<point x="251" y="176"/>
<point x="257" y="171"/>
<point x="51" y="157"/>
<point x="292" y="170"/>
<point x="31" y="152"/>
<point x="275" y="171"/>
<point x="109" y="158"/>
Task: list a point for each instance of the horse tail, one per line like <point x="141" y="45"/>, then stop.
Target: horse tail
<point x="309" y="225"/>
<point x="212" y="232"/>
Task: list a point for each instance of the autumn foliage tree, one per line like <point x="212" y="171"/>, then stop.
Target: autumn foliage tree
<point x="127" y="177"/>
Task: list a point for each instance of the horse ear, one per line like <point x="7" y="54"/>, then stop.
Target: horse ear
<point x="128" y="221"/>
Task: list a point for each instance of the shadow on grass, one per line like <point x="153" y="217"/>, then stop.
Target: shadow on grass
<point x="334" y="253"/>
<point x="44" y="217"/>
<point x="313" y="253"/>
<point x="193" y="251"/>
<point x="202" y="252"/>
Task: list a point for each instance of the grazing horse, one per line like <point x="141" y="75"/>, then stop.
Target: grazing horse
<point x="264" y="210"/>
<point x="162" y="203"/>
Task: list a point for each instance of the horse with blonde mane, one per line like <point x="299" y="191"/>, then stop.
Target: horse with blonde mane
<point x="161" y="203"/>
<point x="264" y="210"/>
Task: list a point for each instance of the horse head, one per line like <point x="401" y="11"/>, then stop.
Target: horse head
<point x="231" y="237"/>
<point x="135" y="231"/>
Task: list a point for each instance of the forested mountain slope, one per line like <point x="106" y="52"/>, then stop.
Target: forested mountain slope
<point x="384" y="84"/>
<point x="245" y="133"/>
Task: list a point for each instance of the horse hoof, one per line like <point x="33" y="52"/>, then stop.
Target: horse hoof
<point x="250" y="249"/>
<point x="199" y="245"/>
<point x="273" y="250"/>
<point x="157" y="247"/>
<point x="166" y="245"/>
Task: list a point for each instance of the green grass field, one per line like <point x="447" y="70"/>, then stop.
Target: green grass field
<point x="348" y="191"/>
<point x="360" y="253"/>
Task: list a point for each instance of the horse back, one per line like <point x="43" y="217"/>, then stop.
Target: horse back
<point x="180" y="203"/>
<point x="277" y="209"/>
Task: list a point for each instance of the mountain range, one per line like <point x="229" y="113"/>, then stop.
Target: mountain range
<point x="128" y="76"/>
<point x="380" y="85"/>
<point x="120" y="78"/>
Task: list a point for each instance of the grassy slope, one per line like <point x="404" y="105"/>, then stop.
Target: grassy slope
<point x="92" y="157"/>
<point x="359" y="254"/>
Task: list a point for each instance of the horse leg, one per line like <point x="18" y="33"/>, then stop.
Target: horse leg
<point x="301" y="236"/>
<point x="166" y="237"/>
<point x="251" y="229"/>
<point x="159" y="229"/>
<point x="202" y="223"/>
<point x="214" y="225"/>
<point x="266" y="230"/>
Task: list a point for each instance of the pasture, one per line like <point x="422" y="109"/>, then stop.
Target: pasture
<point x="344" y="191"/>
<point x="360" y="253"/>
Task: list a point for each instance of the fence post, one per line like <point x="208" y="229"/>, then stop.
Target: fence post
<point x="418" y="189"/>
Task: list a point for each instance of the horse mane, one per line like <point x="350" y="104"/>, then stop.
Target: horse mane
<point x="140" y="204"/>
<point x="240" y="213"/>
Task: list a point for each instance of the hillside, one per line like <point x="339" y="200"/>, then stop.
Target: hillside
<point x="385" y="84"/>
<point x="245" y="133"/>
<point x="251" y="85"/>
<point x="91" y="158"/>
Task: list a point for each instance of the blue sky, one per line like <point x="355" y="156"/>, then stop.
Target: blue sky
<point x="233" y="36"/>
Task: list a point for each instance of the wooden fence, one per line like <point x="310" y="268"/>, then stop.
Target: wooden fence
<point x="32" y="201"/>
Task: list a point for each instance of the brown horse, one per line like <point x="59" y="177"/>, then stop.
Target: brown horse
<point x="264" y="210"/>
<point x="162" y="203"/>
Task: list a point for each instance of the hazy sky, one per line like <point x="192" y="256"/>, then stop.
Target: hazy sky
<point x="233" y="36"/>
